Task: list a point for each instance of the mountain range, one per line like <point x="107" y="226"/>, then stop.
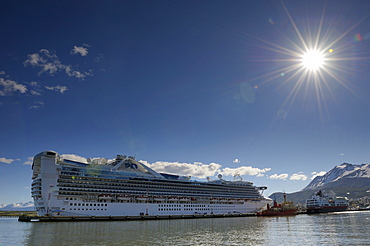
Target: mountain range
<point x="21" y="206"/>
<point x="346" y="180"/>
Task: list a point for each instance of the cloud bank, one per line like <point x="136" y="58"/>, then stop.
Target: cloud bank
<point x="245" y="170"/>
<point x="201" y="170"/>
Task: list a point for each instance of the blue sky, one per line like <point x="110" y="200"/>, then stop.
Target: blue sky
<point x="196" y="87"/>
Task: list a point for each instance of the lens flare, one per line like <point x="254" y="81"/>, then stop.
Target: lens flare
<point x="304" y="61"/>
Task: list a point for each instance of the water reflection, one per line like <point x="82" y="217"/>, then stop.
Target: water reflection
<point x="334" y="229"/>
<point x="230" y="231"/>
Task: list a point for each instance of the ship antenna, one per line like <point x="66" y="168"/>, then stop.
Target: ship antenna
<point x="237" y="176"/>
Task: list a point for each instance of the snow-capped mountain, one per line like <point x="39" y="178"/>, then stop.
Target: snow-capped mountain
<point x="21" y="206"/>
<point x="343" y="171"/>
<point x="348" y="180"/>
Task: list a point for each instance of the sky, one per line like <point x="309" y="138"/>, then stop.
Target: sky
<point x="196" y="88"/>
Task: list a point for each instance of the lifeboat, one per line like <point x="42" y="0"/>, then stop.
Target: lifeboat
<point x="173" y="199"/>
<point x="159" y="198"/>
<point x="105" y="197"/>
<point x="184" y="199"/>
<point x="142" y="198"/>
<point x="124" y="197"/>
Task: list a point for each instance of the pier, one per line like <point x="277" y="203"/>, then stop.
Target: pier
<point x="26" y="218"/>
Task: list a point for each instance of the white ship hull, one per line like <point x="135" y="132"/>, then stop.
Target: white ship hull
<point x="80" y="208"/>
<point x="67" y="188"/>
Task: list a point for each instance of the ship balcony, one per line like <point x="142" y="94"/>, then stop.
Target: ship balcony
<point x="36" y="186"/>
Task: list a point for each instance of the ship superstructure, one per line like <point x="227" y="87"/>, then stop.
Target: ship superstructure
<point x="126" y="187"/>
<point x="322" y="203"/>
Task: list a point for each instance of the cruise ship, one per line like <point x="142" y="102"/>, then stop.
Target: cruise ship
<point x="126" y="187"/>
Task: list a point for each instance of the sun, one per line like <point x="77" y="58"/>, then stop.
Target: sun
<point x="303" y="61"/>
<point x="313" y="60"/>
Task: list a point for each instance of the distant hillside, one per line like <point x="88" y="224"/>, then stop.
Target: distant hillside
<point x="348" y="180"/>
<point x="21" y="206"/>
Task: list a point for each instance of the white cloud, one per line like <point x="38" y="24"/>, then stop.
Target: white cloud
<point x="314" y="174"/>
<point x="49" y="63"/>
<point x="29" y="161"/>
<point x="245" y="170"/>
<point x="236" y="160"/>
<point x="35" y="84"/>
<point x="77" y="74"/>
<point x="7" y="161"/>
<point x="10" y="86"/>
<point x="283" y="176"/>
<point x="199" y="170"/>
<point x="341" y="154"/>
<point x="59" y="88"/>
<point x="37" y="105"/>
<point x="79" y="50"/>
<point x="74" y="157"/>
<point x="298" y="176"/>
<point x="35" y="93"/>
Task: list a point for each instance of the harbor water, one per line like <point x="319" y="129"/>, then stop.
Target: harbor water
<point x="344" y="228"/>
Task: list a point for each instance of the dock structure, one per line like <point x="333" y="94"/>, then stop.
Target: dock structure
<point x="25" y="218"/>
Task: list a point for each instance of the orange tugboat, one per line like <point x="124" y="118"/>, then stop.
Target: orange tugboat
<point x="286" y="208"/>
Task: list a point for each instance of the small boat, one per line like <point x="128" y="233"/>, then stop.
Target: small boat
<point x="283" y="209"/>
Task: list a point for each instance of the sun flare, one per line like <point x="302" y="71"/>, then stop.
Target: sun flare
<point x="313" y="60"/>
<point x="305" y="62"/>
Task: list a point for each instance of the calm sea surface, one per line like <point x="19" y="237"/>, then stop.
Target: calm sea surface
<point x="345" y="228"/>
